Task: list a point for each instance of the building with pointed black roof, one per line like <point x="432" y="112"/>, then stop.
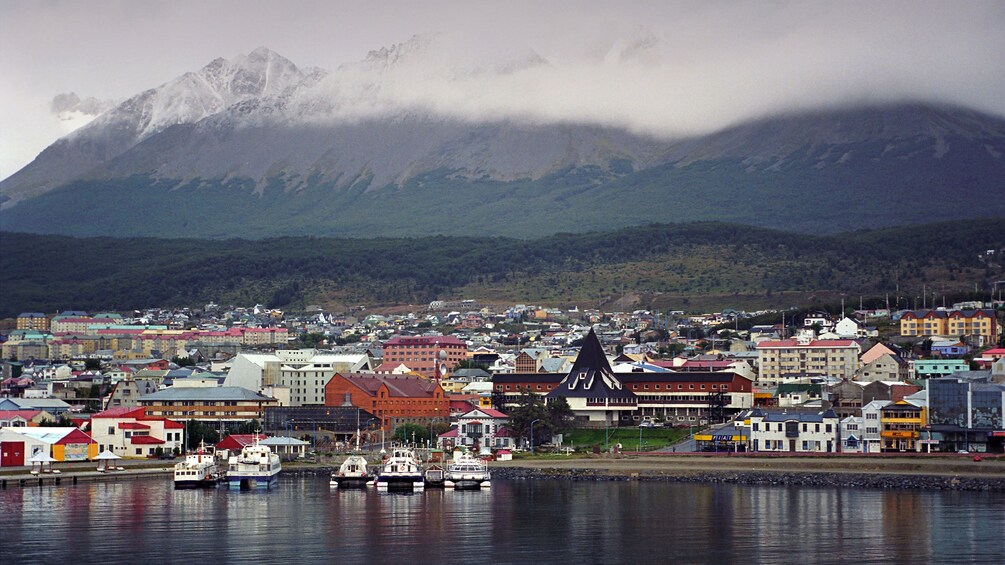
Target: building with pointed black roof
<point x="594" y="392"/>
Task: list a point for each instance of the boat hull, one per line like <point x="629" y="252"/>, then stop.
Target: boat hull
<point x="236" y="482"/>
<point x="468" y="484"/>
<point x="211" y="482"/>
<point x="400" y="482"/>
<point x="349" y="482"/>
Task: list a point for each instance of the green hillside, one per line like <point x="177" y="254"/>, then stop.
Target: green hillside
<point x="682" y="266"/>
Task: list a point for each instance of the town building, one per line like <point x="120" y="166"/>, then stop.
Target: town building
<point x="430" y="356"/>
<point x="32" y="321"/>
<point x="981" y="325"/>
<point x="965" y="414"/>
<point x="594" y="393"/>
<point x="305" y="372"/>
<point x="872" y="418"/>
<point x="901" y="423"/>
<point x="394" y="399"/>
<point x="207" y="404"/>
<point x="786" y="360"/>
<point x="931" y="368"/>
<point x="479" y="430"/>
<point x="61" y="443"/>
<point x="132" y="433"/>
<point x="794" y="432"/>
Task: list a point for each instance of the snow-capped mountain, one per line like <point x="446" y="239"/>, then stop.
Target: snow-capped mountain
<point x="183" y="100"/>
<point x="393" y="144"/>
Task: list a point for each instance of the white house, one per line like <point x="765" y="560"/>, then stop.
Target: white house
<point x="872" y="441"/>
<point x="796" y="432"/>
<point x="852" y="429"/>
<point x="480" y="429"/>
<point x="129" y="432"/>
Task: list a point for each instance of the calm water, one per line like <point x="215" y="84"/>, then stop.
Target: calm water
<point x="517" y="522"/>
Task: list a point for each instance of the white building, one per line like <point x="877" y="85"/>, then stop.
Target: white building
<point x="129" y="433"/>
<point x="787" y="360"/>
<point x="852" y="429"/>
<point x="872" y="416"/>
<point x="304" y="371"/>
<point x="794" y="432"/>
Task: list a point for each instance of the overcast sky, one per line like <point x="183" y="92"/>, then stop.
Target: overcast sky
<point x="700" y="66"/>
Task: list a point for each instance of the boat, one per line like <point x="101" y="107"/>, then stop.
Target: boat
<point x="256" y="466"/>
<point x="400" y="471"/>
<point x="434" y="475"/>
<point x="467" y="472"/>
<point x="352" y="473"/>
<point x="198" y="470"/>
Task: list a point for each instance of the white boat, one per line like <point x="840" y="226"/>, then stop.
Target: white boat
<point x="400" y="471"/>
<point x="198" y="470"/>
<point x="256" y="466"/>
<point x="467" y="472"/>
<point x="353" y="473"/>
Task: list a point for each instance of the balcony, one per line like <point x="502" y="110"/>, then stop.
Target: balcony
<point x="899" y="434"/>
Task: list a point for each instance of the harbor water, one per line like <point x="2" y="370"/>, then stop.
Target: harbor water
<point x="533" y="521"/>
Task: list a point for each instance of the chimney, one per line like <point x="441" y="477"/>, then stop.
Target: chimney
<point x="347" y="399"/>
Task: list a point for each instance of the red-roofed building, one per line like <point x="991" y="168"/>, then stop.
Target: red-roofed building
<point x="24" y="418"/>
<point x="422" y="353"/>
<point x="789" y="360"/>
<point x="395" y="399"/>
<point x="481" y="428"/>
<point x="130" y="432"/>
<point x="237" y="442"/>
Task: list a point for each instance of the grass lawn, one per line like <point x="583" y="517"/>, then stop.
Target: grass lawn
<point x="652" y="438"/>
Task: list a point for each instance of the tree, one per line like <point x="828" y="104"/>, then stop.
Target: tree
<point x="560" y="415"/>
<point x="530" y="407"/>
<point x="196" y="432"/>
<point x="406" y="432"/>
<point x="183" y="361"/>
<point x="92" y="365"/>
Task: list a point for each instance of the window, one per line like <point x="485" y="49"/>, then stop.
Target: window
<point x="139" y="451"/>
<point x="111" y="430"/>
<point x="828" y="428"/>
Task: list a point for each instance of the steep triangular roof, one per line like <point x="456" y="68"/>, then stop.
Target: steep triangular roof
<point x="591" y="375"/>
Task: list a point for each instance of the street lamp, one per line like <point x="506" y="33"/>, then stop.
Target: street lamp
<point x="532" y="434"/>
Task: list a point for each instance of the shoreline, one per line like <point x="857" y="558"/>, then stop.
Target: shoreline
<point x="895" y="472"/>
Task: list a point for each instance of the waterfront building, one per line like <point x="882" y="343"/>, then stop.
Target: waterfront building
<point x="341" y="421"/>
<point x="872" y="417"/>
<point x="62" y="444"/>
<point x="132" y="433"/>
<point x="965" y="414"/>
<point x="786" y="360"/>
<point x="394" y="399"/>
<point x="596" y="395"/>
<point x="687" y="397"/>
<point x="852" y="429"/>
<point x="901" y="423"/>
<point x="481" y="428"/>
<point x="796" y="432"/>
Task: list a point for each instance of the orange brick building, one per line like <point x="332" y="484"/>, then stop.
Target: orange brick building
<point x="419" y="353"/>
<point x="395" y="399"/>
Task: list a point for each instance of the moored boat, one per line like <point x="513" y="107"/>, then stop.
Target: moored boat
<point x="434" y="475"/>
<point x="256" y="466"/>
<point x="400" y="471"/>
<point x="467" y="472"/>
<point x="353" y="473"/>
<point x="198" y="470"/>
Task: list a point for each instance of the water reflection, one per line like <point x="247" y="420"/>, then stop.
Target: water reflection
<point x="516" y="522"/>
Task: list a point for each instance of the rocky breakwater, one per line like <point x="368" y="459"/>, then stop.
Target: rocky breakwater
<point x="788" y="478"/>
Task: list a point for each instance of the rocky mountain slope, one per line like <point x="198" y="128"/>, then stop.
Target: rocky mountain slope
<point x="256" y="147"/>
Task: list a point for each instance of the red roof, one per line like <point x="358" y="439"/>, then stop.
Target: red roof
<point x="814" y="343"/>
<point x="451" y="433"/>
<point x="76" y="436"/>
<point x="133" y="426"/>
<point x="145" y="440"/>
<point x="238" y="441"/>
<point x="26" y="414"/>
<point x="423" y="340"/>
<point x="490" y="412"/>
<point x="168" y="424"/>
<point x="122" y="412"/>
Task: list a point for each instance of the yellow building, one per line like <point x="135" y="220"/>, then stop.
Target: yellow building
<point x="976" y="323"/>
<point x="32" y="321"/>
<point x="900" y="426"/>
